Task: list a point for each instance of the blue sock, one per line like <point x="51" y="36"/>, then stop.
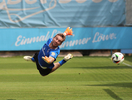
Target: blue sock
<point x="62" y="62"/>
<point x="33" y="59"/>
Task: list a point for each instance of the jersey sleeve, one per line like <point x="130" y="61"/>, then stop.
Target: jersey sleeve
<point x="49" y="41"/>
<point x="54" y="54"/>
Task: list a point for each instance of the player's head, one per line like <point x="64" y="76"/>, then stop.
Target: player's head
<point x="58" y="40"/>
<point x="62" y="36"/>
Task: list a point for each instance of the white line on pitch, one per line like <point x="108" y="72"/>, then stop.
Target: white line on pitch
<point x="126" y="64"/>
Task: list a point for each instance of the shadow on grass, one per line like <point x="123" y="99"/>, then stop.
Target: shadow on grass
<point x="112" y="94"/>
<point x="125" y="84"/>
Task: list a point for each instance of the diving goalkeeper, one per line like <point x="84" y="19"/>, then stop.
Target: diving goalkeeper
<point x="45" y="58"/>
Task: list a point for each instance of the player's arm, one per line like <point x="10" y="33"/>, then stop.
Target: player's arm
<point x="49" y="59"/>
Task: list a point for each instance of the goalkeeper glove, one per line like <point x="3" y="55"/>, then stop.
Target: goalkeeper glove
<point x="68" y="31"/>
<point x="46" y="59"/>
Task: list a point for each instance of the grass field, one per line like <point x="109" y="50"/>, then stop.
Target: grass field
<point x="82" y="78"/>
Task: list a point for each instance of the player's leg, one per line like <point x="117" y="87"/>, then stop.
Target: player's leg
<point x="30" y="58"/>
<point x="41" y="70"/>
<point x="58" y="64"/>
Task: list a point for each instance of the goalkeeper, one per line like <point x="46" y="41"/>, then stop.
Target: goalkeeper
<point x="48" y="54"/>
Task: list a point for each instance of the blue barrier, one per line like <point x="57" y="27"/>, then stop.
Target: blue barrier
<point x="126" y="51"/>
<point x="83" y="38"/>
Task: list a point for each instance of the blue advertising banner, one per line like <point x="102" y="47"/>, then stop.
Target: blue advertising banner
<point x="61" y="13"/>
<point x="83" y="38"/>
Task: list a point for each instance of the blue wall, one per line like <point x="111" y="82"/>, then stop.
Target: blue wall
<point x="83" y="38"/>
<point x="27" y="24"/>
<point x="61" y="13"/>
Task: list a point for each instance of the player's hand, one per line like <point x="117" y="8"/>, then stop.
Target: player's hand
<point x="46" y="59"/>
<point x="68" y="31"/>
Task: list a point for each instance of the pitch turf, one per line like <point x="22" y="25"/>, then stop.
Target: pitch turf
<point x="81" y="78"/>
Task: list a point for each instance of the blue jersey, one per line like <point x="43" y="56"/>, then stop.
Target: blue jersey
<point x="47" y="51"/>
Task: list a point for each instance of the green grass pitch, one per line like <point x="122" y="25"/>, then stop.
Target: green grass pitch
<point x="81" y="78"/>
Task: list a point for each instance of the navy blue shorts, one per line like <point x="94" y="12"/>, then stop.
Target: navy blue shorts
<point x="42" y="71"/>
